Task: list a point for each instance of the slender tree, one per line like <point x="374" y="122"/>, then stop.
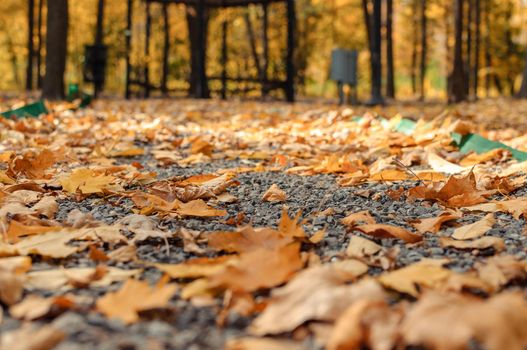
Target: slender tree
<point x="477" y="47"/>
<point x="375" y="55"/>
<point x="415" y="42"/>
<point x="390" y="84"/>
<point x="56" y="49"/>
<point x="197" y="21"/>
<point x="422" y="74"/>
<point x="468" y="46"/>
<point x="166" y="49"/>
<point x="30" y="43"/>
<point x="40" y="45"/>
<point x="458" y="91"/>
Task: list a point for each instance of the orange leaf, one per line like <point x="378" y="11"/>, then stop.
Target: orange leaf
<point x="389" y="231"/>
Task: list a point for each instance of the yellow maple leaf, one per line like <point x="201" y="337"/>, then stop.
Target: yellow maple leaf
<point x="85" y="180"/>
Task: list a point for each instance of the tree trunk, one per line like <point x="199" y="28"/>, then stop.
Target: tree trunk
<point x="477" y="29"/>
<point x="56" y="49"/>
<point x="367" y="21"/>
<point x="390" y="84"/>
<point x="166" y="50"/>
<point x="413" y="72"/>
<point x="197" y="21"/>
<point x="30" y="43"/>
<point x="488" y="65"/>
<point x="40" y="42"/>
<point x="146" y="68"/>
<point x="522" y="93"/>
<point x="375" y="55"/>
<point x="458" y="91"/>
<point x="422" y="74"/>
<point x="468" y="44"/>
<point x="252" y="43"/>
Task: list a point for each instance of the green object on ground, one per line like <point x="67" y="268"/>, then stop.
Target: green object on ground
<point x="32" y="110"/>
<point x="74" y="93"/>
<point x="479" y="144"/>
<point x="406" y="126"/>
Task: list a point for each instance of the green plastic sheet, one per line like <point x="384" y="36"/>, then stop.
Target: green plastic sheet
<point x="32" y="110"/>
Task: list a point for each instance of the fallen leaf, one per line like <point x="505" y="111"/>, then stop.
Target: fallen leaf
<point x="355" y="218"/>
<point x="87" y="181"/>
<point x="318" y="293"/>
<point x="291" y="227"/>
<point x="475" y="230"/>
<point x="262" y="344"/>
<point x="274" y="194"/>
<point x="133" y="297"/>
<point x="47" y="207"/>
<point x="433" y="225"/>
<point x="29" y="337"/>
<point x="51" y="244"/>
<point x="359" y="247"/>
<point x="247" y="239"/>
<point x="35" y="306"/>
<point x="426" y="273"/>
<point x="199" y="208"/>
<point x="389" y="231"/>
<point x="515" y="207"/>
<point x="480" y="243"/>
<point x="498" y="271"/>
<point x="452" y="321"/>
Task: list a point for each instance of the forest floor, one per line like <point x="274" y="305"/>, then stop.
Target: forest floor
<point x="188" y="224"/>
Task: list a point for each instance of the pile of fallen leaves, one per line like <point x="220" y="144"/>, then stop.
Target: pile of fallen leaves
<point x="271" y="274"/>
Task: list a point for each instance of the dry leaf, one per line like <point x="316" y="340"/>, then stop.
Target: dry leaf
<point x="199" y="208"/>
<point x="30" y="338"/>
<point x="515" y="207"/>
<point x="452" y="321"/>
<point x="133" y="297"/>
<point x="433" y="225"/>
<point x="426" y="273"/>
<point x="35" y="306"/>
<point x="318" y="293"/>
<point x="262" y="344"/>
<point x="87" y="181"/>
<point x="475" y="230"/>
<point x="47" y="207"/>
<point x="355" y="218"/>
<point x="359" y="247"/>
<point x="481" y="243"/>
<point x="291" y="227"/>
<point x="247" y="239"/>
<point x="498" y="271"/>
<point x="274" y="194"/>
<point x="389" y="231"/>
<point x="52" y="244"/>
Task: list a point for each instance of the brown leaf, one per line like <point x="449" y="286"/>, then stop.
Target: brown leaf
<point x="355" y="218"/>
<point x="47" y="207"/>
<point x="199" y="208"/>
<point x="498" y="271"/>
<point x="274" y="194"/>
<point x="291" y="227"/>
<point x="17" y="230"/>
<point x="30" y="338"/>
<point x="481" y="243"/>
<point x="515" y="207"/>
<point x="426" y="273"/>
<point x="318" y="293"/>
<point x="262" y="344"/>
<point x="451" y="321"/>
<point x="51" y="244"/>
<point x="359" y="247"/>
<point x="389" y="231"/>
<point x="12" y="278"/>
<point x="475" y="230"/>
<point x="433" y="225"/>
<point x="261" y="268"/>
<point x="35" y="306"/>
<point x="133" y="297"/>
<point x="87" y="181"/>
<point x="247" y="239"/>
<point x="125" y="253"/>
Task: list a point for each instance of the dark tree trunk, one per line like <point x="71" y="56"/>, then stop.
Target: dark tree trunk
<point x="166" y="50"/>
<point x="413" y="72"/>
<point x="40" y="42"/>
<point x="367" y="21"/>
<point x="56" y="49"/>
<point x="252" y="42"/>
<point x="375" y="55"/>
<point x="458" y="91"/>
<point x="30" y="44"/>
<point x="291" y="46"/>
<point x="477" y="47"/>
<point x="422" y="74"/>
<point x="99" y="44"/>
<point x="522" y="93"/>
<point x="224" y="58"/>
<point x="468" y="44"/>
<point x="197" y="21"/>
<point x="265" y="41"/>
<point x="128" y="47"/>
<point x="390" y="84"/>
<point x="488" y="64"/>
<point x="146" y="68"/>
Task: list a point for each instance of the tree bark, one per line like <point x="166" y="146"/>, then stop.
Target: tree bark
<point x="458" y="91"/>
<point x="56" y="49"/>
<point x="375" y="55"/>
<point x="166" y="50"/>
<point x="422" y="74"/>
<point x="252" y="42"/>
<point x="40" y="42"/>
<point x="197" y="21"/>
<point x="367" y="21"/>
<point x="468" y="44"/>
<point x="488" y="63"/>
<point x="390" y="84"/>
<point x="477" y="47"/>
<point x="30" y="44"/>
<point x="413" y="72"/>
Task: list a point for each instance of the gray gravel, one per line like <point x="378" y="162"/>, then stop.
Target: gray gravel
<point x="189" y="327"/>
